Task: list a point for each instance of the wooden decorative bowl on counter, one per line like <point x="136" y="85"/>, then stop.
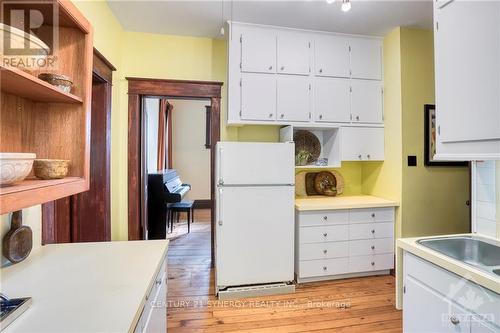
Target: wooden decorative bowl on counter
<point x="51" y="169"/>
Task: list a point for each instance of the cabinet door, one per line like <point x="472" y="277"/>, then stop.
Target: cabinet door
<point x="424" y="310"/>
<point x="293" y="102"/>
<point x="366" y="58"/>
<point x="331" y="56"/>
<point x="467" y="55"/>
<point x="258" y="96"/>
<point x="293" y="53"/>
<point x="366" y="101"/>
<point x="258" y="51"/>
<point x="362" y="144"/>
<point x="332" y="100"/>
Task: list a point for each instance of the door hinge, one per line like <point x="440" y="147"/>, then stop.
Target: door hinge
<point x="241" y="65"/>
<point x="220" y="222"/>
<point x="240" y="113"/>
<point x="241" y="38"/>
<point x="309" y="115"/>
<point x="309" y="69"/>
<point x="351" y="116"/>
<point x="349" y="48"/>
<point x="382" y="90"/>
<point x="309" y="44"/>
<point x="309" y="87"/>
<point x="404" y="289"/>
<point x="437" y="25"/>
<point x="241" y="84"/>
<point x="439" y="130"/>
<point x="350" y="89"/>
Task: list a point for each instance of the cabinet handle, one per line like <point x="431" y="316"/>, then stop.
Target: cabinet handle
<point x="270" y="115"/>
<point x="325" y="234"/>
<point x="373" y="263"/>
<point x="373" y="247"/>
<point x="454" y="320"/>
<point x="325" y="251"/>
<point x="373" y="231"/>
<point x="368" y="156"/>
<point x="282" y="115"/>
<point x="325" y="217"/>
<point x="357" y="118"/>
<point x="324" y="268"/>
<point x="282" y="68"/>
<point x="321" y="70"/>
<point x="270" y="67"/>
<point x="360" y="156"/>
<point x="373" y="215"/>
<point x="158" y="282"/>
<point x="320" y="116"/>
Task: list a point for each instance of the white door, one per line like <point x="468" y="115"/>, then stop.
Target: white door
<point x="293" y="53"/>
<point x="366" y="58"/>
<point x="332" y="100"/>
<point x="467" y="54"/>
<point x="255" y="235"/>
<point x="258" y="50"/>
<point x="258" y="96"/>
<point x="331" y="56"/>
<point x="293" y="101"/>
<point x="426" y="311"/>
<point x="362" y="144"/>
<point x="366" y="102"/>
<point x="245" y="163"/>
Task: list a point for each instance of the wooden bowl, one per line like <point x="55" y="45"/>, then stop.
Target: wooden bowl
<point x="14" y="167"/>
<point x="50" y="169"/>
<point x="62" y="82"/>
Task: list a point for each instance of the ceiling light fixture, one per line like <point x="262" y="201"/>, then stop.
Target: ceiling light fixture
<point x="222" y="32"/>
<point x="346" y="5"/>
<point x="330" y="1"/>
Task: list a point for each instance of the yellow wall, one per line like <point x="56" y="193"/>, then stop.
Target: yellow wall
<point x="433" y="197"/>
<point x="385" y="179"/>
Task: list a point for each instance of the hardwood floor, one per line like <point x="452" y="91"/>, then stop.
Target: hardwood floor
<point x="350" y="305"/>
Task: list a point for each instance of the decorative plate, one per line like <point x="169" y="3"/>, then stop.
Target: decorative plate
<point x="307" y="142"/>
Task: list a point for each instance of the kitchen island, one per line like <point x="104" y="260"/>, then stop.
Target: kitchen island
<point x="90" y="287"/>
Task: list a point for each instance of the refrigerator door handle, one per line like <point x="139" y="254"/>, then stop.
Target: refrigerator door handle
<point x="221" y="174"/>
<point x="220" y="207"/>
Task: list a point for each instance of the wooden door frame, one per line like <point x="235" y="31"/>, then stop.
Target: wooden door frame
<point x="138" y="88"/>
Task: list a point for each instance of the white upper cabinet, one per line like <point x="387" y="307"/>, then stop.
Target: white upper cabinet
<point x="293" y="98"/>
<point x="366" y="58"/>
<point x="258" y="50"/>
<point x="258" y="97"/>
<point x="362" y="144"/>
<point x="467" y="69"/>
<point x="293" y="53"/>
<point x="366" y="101"/>
<point x="331" y="56"/>
<point x="332" y="100"/>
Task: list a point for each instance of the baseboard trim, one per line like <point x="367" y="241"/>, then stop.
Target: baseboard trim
<point x="202" y="204"/>
<point x="340" y="276"/>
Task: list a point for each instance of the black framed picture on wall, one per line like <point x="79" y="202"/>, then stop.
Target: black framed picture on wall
<point x="430" y="140"/>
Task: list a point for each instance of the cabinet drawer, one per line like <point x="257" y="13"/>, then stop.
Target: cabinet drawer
<point x="371" y="230"/>
<point x="371" y="215"/>
<point x="323" y="218"/>
<point x="320" y="234"/>
<point x="311" y="268"/>
<point x="371" y="246"/>
<point x="324" y="250"/>
<point x="375" y="262"/>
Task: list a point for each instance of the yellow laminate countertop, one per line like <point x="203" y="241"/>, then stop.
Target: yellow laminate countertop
<point x="489" y="281"/>
<point x="341" y="202"/>
<point x="84" y="287"/>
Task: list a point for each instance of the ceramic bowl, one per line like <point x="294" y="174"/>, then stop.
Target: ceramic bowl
<point x="14" y="167"/>
<point x="50" y="169"/>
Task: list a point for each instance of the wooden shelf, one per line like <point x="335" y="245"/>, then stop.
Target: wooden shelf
<point x="31" y="191"/>
<point x="16" y="82"/>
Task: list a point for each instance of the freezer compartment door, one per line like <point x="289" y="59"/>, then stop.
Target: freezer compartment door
<point x="244" y="163"/>
<point x="254" y="235"/>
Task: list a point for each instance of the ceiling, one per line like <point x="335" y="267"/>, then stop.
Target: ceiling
<point x="203" y="18"/>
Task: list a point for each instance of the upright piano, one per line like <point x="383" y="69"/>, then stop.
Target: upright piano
<point x="164" y="187"/>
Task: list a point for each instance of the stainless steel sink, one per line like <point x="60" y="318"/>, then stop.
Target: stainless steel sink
<point x="475" y="251"/>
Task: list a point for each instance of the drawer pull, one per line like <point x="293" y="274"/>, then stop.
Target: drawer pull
<point x="158" y="282"/>
<point x="373" y="231"/>
<point x="325" y="234"/>
<point x="373" y="247"/>
<point x="373" y="263"/>
<point x="325" y="268"/>
<point x="325" y="218"/>
<point x="325" y="251"/>
<point x="454" y="320"/>
<point x="373" y="215"/>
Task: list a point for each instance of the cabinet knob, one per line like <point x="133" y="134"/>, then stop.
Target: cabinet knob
<point x="373" y="263"/>
<point x="282" y="115"/>
<point x="368" y="156"/>
<point x="373" y="247"/>
<point x="454" y="320"/>
<point x="282" y="67"/>
<point x="321" y="70"/>
<point x="360" y="156"/>
<point x="357" y="117"/>
<point x="324" y="268"/>
<point x="373" y="231"/>
<point x="320" y="116"/>
<point x="325" y="251"/>
<point x="373" y="215"/>
<point x="325" y="217"/>
<point x="325" y="234"/>
<point x="270" y="67"/>
<point x="270" y="115"/>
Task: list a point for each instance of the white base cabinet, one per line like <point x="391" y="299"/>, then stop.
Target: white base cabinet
<point x="436" y="300"/>
<point x="338" y="243"/>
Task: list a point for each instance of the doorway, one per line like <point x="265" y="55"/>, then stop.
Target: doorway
<point x="138" y="90"/>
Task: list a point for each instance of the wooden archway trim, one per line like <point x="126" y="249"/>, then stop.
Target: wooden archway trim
<point x="139" y="87"/>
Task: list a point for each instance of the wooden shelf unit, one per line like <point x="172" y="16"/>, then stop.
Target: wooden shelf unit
<point x="38" y="118"/>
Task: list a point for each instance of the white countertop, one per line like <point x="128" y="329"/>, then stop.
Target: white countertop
<point x="341" y="202"/>
<point x="84" y="287"/>
<point x="480" y="277"/>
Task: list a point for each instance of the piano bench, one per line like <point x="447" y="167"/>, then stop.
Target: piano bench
<point x="185" y="206"/>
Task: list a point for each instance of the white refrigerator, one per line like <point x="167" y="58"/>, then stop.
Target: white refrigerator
<point x="254" y="231"/>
